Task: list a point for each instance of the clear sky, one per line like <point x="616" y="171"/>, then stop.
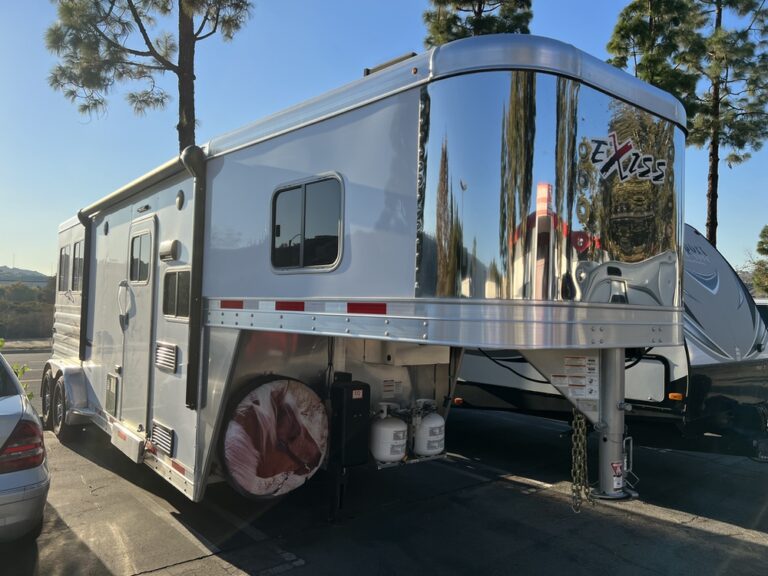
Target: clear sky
<point x="54" y="161"/>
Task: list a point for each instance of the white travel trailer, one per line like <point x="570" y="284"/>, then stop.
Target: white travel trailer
<point x="710" y="394"/>
<point x="301" y="290"/>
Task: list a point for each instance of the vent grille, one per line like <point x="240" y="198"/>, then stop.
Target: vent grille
<point x="162" y="438"/>
<point x="165" y="356"/>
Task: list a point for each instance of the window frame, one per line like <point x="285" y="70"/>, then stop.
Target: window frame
<point x="175" y="317"/>
<point x="77" y="254"/>
<point x="64" y="274"/>
<point x="146" y="280"/>
<point x="302" y="185"/>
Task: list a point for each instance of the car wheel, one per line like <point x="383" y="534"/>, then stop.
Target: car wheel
<point x="46" y="396"/>
<point x="59" y="409"/>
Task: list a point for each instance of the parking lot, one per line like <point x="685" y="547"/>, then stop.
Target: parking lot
<point x="500" y="504"/>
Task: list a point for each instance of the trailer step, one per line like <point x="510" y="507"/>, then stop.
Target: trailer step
<point x="128" y="442"/>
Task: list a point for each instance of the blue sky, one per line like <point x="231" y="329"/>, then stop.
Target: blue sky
<point x="54" y="161"/>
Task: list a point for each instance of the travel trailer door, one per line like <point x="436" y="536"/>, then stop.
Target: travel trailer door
<point x="135" y="309"/>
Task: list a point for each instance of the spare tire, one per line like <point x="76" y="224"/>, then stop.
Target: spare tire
<point x="274" y="437"/>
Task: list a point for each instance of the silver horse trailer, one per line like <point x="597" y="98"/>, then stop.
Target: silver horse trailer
<point x="710" y="394"/>
<point x="297" y="292"/>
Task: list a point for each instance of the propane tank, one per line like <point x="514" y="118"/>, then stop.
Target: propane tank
<point x="389" y="435"/>
<point x="429" y="433"/>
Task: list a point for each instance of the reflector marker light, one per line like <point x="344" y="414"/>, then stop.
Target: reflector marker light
<point x="366" y="308"/>
<point x="675" y="396"/>
<point x="289" y="306"/>
<point x="231" y="305"/>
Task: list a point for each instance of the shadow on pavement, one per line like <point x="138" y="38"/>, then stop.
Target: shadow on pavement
<point x="57" y="552"/>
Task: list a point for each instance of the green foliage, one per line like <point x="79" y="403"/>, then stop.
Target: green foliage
<point x="101" y="43"/>
<point x="760" y="265"/>
<point x="762" y="242"/>
<point x="451" y="19"/>
<point x="25" y="312"/>
<point x="20" y="370"/>
<point x="712" y="55"/>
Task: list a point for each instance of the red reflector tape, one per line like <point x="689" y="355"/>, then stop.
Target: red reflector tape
<point x="231" y="304"/>
<point x="366" y="308"/>
<point x="178" y="467"/>
<point x="289" y="306"/>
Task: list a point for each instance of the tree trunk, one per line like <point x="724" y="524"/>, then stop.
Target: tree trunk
<point x="186" y="76"/>
<point x="714" y="146"/>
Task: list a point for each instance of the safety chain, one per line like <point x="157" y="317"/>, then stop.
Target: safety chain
<point x="579" y="473"/>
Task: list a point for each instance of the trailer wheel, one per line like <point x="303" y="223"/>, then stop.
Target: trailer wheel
<point x="274" y="437"/>
<point x="59" y="410"/>
<point x="46" y="397"/>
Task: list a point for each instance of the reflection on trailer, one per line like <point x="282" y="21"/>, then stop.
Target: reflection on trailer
<point x="713" y="389"/>
<point x="298" y="294"/>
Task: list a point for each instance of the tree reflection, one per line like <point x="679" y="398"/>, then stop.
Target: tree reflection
<point x="639" y="215"/>
<point x="449" y="234"/>
<point x="518" y="131"/>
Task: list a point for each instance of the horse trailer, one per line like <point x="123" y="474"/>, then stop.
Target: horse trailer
<point x="297" y="294"/>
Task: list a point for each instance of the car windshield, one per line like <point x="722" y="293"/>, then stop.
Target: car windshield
<point x="7" y="382"/>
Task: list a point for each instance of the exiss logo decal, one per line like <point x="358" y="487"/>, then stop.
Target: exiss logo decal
<point x="611" y="156"/>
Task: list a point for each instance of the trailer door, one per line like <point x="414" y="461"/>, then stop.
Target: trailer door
<point x="136" y="305"/>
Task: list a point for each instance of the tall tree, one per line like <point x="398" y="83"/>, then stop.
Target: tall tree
<point x="101" y="43"/>
<point x="451" y="19"/>
<point x="713" y="55"/>
<point x="760" y="265"/>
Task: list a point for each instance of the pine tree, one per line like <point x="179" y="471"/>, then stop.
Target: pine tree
<point x="450" y="19"/>
<point x="101" y="43"/>
<point x="760" y="268"/>
<point x="717" y="70"/>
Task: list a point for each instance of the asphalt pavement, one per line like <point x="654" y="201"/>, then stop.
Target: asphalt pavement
<point x="500" y="504"/>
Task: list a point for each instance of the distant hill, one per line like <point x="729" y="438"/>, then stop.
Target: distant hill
<point x="29" y="277"/>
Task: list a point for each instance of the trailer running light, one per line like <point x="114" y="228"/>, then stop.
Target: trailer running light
<point x="24" y="449"/>
<point x="289" y="306"/>
<point x="458" y="401"/>
<point x="366" y="307"/>
<point x="677" y="396"/>
<point x="178" y="467"/>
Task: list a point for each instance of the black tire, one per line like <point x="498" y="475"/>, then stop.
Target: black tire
<point x="46" y="397"/>
<point x="59" y="410"/>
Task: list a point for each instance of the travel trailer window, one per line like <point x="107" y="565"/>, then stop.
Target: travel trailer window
<point x="176" y="294"/>
<point x="140" y="258"/>
<point x="64" y="269"/>
<point x="77" y="267"/>
<point x="306" y="225"/>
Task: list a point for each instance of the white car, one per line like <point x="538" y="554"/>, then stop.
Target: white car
<point x="24" y="478"/>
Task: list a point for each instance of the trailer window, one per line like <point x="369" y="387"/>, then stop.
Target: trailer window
<point x="64" y="269"/>
<point x="176" y="294"/>
<point x="306" y="225"/>
<point x="140" y="246"/>
<point x="77" y="267"/>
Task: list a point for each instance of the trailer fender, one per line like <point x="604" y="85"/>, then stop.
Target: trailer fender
<point x="77" y="410"/>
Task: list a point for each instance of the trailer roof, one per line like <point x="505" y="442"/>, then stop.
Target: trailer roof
<point x="480" y="53"/>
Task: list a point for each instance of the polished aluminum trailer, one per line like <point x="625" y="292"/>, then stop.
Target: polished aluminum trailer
<point x="709" y="394"/>
<point x="240" y="312"/>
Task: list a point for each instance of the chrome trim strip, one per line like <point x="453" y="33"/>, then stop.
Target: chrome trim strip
<point x="521" y="325"/>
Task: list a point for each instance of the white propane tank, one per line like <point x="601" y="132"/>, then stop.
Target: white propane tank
<point x="389" y="435"/>
<point x="429" y="435"/>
